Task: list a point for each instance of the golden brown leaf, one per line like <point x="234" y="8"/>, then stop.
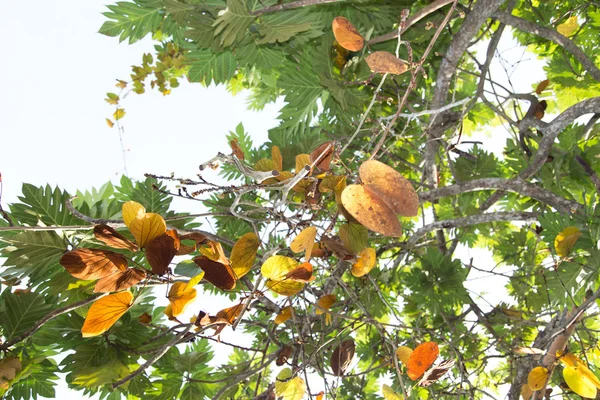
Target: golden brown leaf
<point x="143" y="226"/>
<point x="324" y="153"/>
<point x="347" y="35"/>
<point x="372" y="212"/>
<point x="542" y="86"/>
<point x="337" y="248"/>
<point x="384" y="62"/>
<point x="304" y="241"/>
<point x="302" y="160"/>
<point x="565" y="240"/>
<point x="284" y="315"/>
<point x="286" y="287"/>
<point x="112" y="238"/>
<point x="184" y="249"/>
<point x="237" y="150"/>
<point x="160" y="252"/>
<point x="243" y="254"/>
<point x="180" y="295"/>
<point x="92" y="264"/>
<point x="145" y="318"/>
<point x="220" y="275"/>
<point x="537" y="377"/>
<point x="231" y="313"/>
<point x="284" y="353"/>
<point x="119" y="281"/>
<point x="324" y="303"/>
<point x="214" y="251"/>
<point x="104" y="312"/>
<point x="365" y="263"/>
<point x="109" y="122"/>
<point x="277" y="158"/>
<point x="342" y="357"/>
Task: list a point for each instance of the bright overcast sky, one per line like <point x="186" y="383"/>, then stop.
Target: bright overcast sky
<point x="57" y="70"/>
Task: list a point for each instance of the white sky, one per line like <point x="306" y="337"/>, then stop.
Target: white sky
<point x="57" y="70"/>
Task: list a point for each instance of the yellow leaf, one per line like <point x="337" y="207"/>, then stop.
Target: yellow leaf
<point x="180" y="295"/>
<point x="277" y="158"/>
<point x="579" y="383"/>
<point x="195" y="280"/>
<point x="324" y="303"/>
<point x="537" y="378"/>
<point x="568" y="27"/>
<point x="120" y="113"/>
<point x="169" y="312"/>
<point x="403" y="353"/>
<point x="244" y="253"/>
<point x="355" y="237"/>
<point x="121" y="84"/>
<point x="565" y="241"/>
<point x="265" y="165"/>
<point x="301" y="161"/>
<point x="289" y="389"/>
<point x="109" y="123"/>
<point x="365" y="263"/>
<point x="389" y="394"/>
<point x="571" y="360"/>
<point x="104" y="312"/>
<point x="526" y="392"/>
<point x="143" y="226"/>
<point x="277" y="267"/>
<point x="214" y="252"/>
<point x="333" y="183"/>
<point x="304" y="241"/>
<point x="284" y="315"/>
<point x="285" y="288"/>
<point x="131" y="211"/>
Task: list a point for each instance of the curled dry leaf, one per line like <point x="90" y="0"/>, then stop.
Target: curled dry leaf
<point x="104" y="312"/>
<point x="180" y="295"/>
<point x="540" y="108"/>
<point x="537" y="378"/>
<point x="284" y="315"/>
<point x="112" y="238"/>
<point x="92" y="264"/>
<point x="119" y="281"/>
<point x="244" y="253"/>
<point x="304" y="241"/>
<point x="347" y="35"/>
<point x="220" y="275"/>
<point x="342" y="357"/>
<point x="365" y="263"/>
<point x="323" y="153"/>
<point x="231" y="313"/>
<point x="324" y="303"/>
<point x="436" y="372"/>
<point x="284" y="353"/>
<point x="383" y="194"/>
<point x="384" y="62"/>
<point x="421" y="358"/>
<point x="160" y="252"/>
<point x="143" y="226"/>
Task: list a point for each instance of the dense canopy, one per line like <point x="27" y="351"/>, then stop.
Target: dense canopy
<point x="350" y="244"/>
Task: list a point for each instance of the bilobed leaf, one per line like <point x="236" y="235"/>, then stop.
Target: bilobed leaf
<point x="243" y="253"/>
<point x="389" y="394"/>
<point x="302" y="273"/>
<point x="282" y="356"/>
<point x="231" y="313"/>
<point x="112" y="238"/>
<point x="276" y="268"/>
<point x="324" y="153"/>
<point x="104" y="312"/>
<point x="289" y="388"/>
<point x="119" y="281"/>
<point x="537" y="377"/>
<point x="565" y="241"/>
<point x="143" y="226"/>
<point x="372" y="212"/>
<point x="284" y="315"/>
<point x="569" y="27"/>
<point x="132" y="210"/>
<point x="342" y="357"/>
<point x="384" y="62"/>
<point x="421" y="358"/>
<point x="355" y="237"/>
<point x="301" y="161"/>
<point x="347" y="35"/>
<point x="365" y="262"/>
<point x="92" y="264"/>
<point x="304" y="241"/>
<point x="214" y="251"/>
<point x="180" y="295"/>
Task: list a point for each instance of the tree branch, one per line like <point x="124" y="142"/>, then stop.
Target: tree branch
<point x="292" y="5"/>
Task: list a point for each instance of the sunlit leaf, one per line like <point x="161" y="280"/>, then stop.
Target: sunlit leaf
<point x="244" y="253"/>
<point x="143" y="226"/>
<point x="214" y="251"/>
<point x="286" y="287"/>
<point x="109" y="123"/>
<point x="537" y="377"/>
<point x="542" y="86"/>
<point x="403" y="353"/>
<point x="389" y="394"/>
<point x="301" y="161"/>
<point x="288" y="388"/>
<point x="304" y="241"/>
<point x="277" y="158"/>
<point x="324" y="303"/>
<point x="120" y="113"/>
<point x="112" y="238"/>
<point x="220" y="275"/>
<point x="578" y="382"/>
<point x="302" y="273"/>
<point x="365" y="262"/>
<point x="120" y="281"/>
<point x="104" y="312"/>
<point x="92" y="264"/>
<point x="347" y="35"/>
<point x="324" y="153"/>
<point x="569" y="27"/>
<point x="421" y="358"/>
<point x="384" y="62"/>
<point x="277" y="267"/>
<point x="355" y="237"/>
<point x="436" y="372"/>
<point x="284" y="315"/>
<point x="180" y="295"/>
<point x="160" y="252"/>
<point x="565" y="241"/>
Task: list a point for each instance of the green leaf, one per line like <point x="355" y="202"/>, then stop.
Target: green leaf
<point x="37" y="381"/>
<point x="281" y="27"/>
<point x="131" y="20"/>
<point x="354" y="236"/>
<point x="207" y="67"/>
<point x="21" y="311"/>
<point x="43" y="204"/>
<point x="233" y="23"/>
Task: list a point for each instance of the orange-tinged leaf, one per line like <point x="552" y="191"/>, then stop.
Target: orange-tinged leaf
<point x="237" y="150"/>
<point x="323" y="153"/>
<point x="320" y="395"/>
<point x="391" y="187"/>
<point x="132" y="210"/>
<point x="579" y="383"/>
<point x="277" y="267"/>
<point x="304" y="241"/>
<point x="120" y="113"/>
<point x="302" y="273"/>
<point x="384" y="62"/>
<point x="372" y="212"/>
<point x="421" y="358"/>
<point x="365" y="263"/>
<point x="112" y="238"/>
<point x="324" y="303"/>
<point x="347" y="35"/>
<point x="526" y="392"/>
<point x="302" y="160"/>
<point x="565" y="241"/>
<point x="277" y="158"/>
<point x="119" y="281"/>
<point x="537" y="377"/>
<point x="214" y="251"/>
<point x="231" y="313"/>
<point x="342" y="357"/>
<point x="284" y="315"/>
<point x="104" y="312"/>
<point x="180" y="295"/>
<point x="160" y="252"/>
<point x="403" y="353"/>
<point x="145" y="318"/>
<point x="285" y="288"/>
<point x="92" y="264"/>
<point x="220" y="275"/>
<point x="542" y="86"/>
<point x="389" y="394"/>
<point x="569" y="27"/>
<point x="244" y="253"/>
<point x="169" y="312"/>
<point x="109" y="123"/>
